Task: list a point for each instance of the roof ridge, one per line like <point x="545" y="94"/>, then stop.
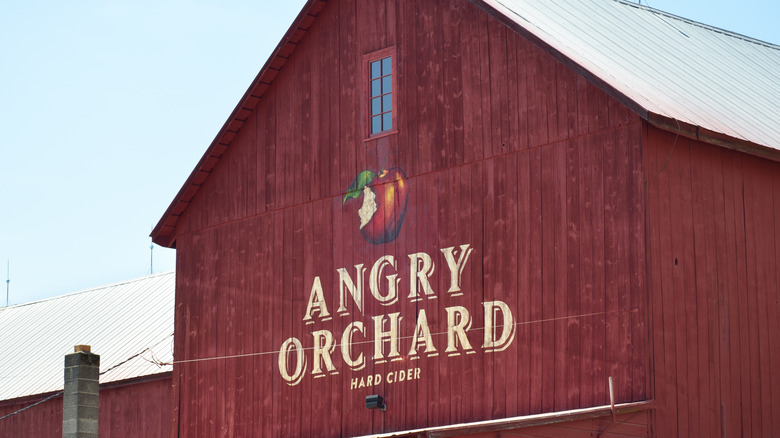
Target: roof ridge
<point x="83" y="291"/>
<point x="705" y="26"/>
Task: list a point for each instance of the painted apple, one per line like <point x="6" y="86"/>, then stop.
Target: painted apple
<point x="385" y="195"/>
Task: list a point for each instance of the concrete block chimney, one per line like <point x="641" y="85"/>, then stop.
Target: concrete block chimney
<point x="80" y="398"/>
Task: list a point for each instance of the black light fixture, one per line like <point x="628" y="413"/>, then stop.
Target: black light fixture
<point x="376" y="402"/>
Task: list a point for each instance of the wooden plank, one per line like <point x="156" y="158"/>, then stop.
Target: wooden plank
<point x="721" y="314"/>
<point x="773" y="306"/>
<point x="585" y="258"/>
<point x="560" y="249"/>
<point x="469" y="186"/>
<point x="538" y="123"/>
<point x="428" y="91"/>
<point x="524" y="290"/>
<point x="753" y="291"/>
<point x="262" y="165"/>
<point x="661" y="293"/>
<point x="508" y="361"/>
<point x="483" y="62"/>
<point x="522" y="51"/>
<point x="471" y="88"/>
<point x="452" y="71"/>
<point x="638" y="290"/>
<point x="548" y="263"/>
<point x="708" y="401"/>
<point x="574" y="325"/>
<point x="221" y="312"/>
<point x="513" y="69"/>
<point x="624" y="177"/>
<point x="596" y="161"/>
<point x="407" y="95"/>
<point x="684" y="286"/>
<point x="270" y="152"/>
<point x="490" y="280"/>
<point x="732" y="209"/>
<point x="561" y="100"/>
<point x="348" y="106"/>
<point x="497" y="82"/>
<point x="279" y="324"/>
<point x="613" y="237"/>
<point x="478" y="201"/>
<point x="329" y="104"/>
<point x="741" y="256"/>
<point x="767" y="284"/>
<point x="229" y="319"/>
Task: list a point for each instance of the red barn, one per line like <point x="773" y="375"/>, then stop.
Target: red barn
<point x="542" y="217"/>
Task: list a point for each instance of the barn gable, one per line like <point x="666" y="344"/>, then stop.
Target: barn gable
<point x="704" y="89"/>
<point x="503" y="149"/>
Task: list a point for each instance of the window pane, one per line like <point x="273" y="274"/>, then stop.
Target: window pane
<point x="376" y="124"/>
<point x="387" y="84"/>
<point x="376" y="69"/>
<point x="376" y="106"/>
<point x="386" y="66"/>
<point x="387" y="103"/>
<point x="387" y="121"/>
<point x="376" y="88"/>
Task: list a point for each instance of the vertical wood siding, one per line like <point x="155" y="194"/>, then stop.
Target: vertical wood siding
<point x="505" y="149"/>
<point x="713" y="263"/>
<point x="140" y="409"/>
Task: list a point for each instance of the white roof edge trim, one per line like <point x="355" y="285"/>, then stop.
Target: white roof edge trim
<point x="83" y="291"/>
<point x="641" y="405"/>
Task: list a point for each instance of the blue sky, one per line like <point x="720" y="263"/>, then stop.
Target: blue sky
<point x="106" y="107"/>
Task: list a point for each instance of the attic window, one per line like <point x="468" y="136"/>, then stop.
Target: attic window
<point x="381" y="97"/>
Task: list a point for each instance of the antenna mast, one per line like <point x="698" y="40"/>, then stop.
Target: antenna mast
<point x="8" y="283"/>
<point x="151" y="259"/>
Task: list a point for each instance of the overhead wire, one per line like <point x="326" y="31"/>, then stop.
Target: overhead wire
<point x="156" y="361"/>
<point x="121" y="364"/>
<point x="336" y="345"/>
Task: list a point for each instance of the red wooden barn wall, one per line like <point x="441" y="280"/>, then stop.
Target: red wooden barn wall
<point x="140" y="409"/>
<point x="634" y="425"/>
<point x="505" y="149"/>
<point x="713" y="234"/>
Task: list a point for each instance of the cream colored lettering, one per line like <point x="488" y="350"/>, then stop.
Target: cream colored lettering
<point x="292" y="346"/>
<point x="392" y="281"/>
<point x="422" y="335"/>
<point x="456" y="267"/>
<point x="458" y="323"/>
<point x="381" y="336"/>
<point x="355" y="289"/>
<point x="403" y="375"/>
<point x="316" y="303"/>
<point x="421" y="268"/>
<point x="346" y="345"/>
<point x="323" y="348"/>
<point x="491" y="344"/>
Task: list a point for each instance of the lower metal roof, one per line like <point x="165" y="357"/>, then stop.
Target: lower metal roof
<point x="129" y="324"/>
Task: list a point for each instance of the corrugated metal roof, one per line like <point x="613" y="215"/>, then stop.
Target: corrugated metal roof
<point x="119" y="321"/>
<point x="677" y="68"/>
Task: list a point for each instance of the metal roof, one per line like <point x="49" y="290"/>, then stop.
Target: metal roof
<point x="131" y="320"/>
<point x="667" y="65"/>
<point x="700" y="81"/>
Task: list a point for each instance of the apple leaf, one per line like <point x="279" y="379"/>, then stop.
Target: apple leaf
<point x="363" y="179"/>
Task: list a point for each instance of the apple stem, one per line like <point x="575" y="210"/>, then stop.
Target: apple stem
<point x="384" y="161"/>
